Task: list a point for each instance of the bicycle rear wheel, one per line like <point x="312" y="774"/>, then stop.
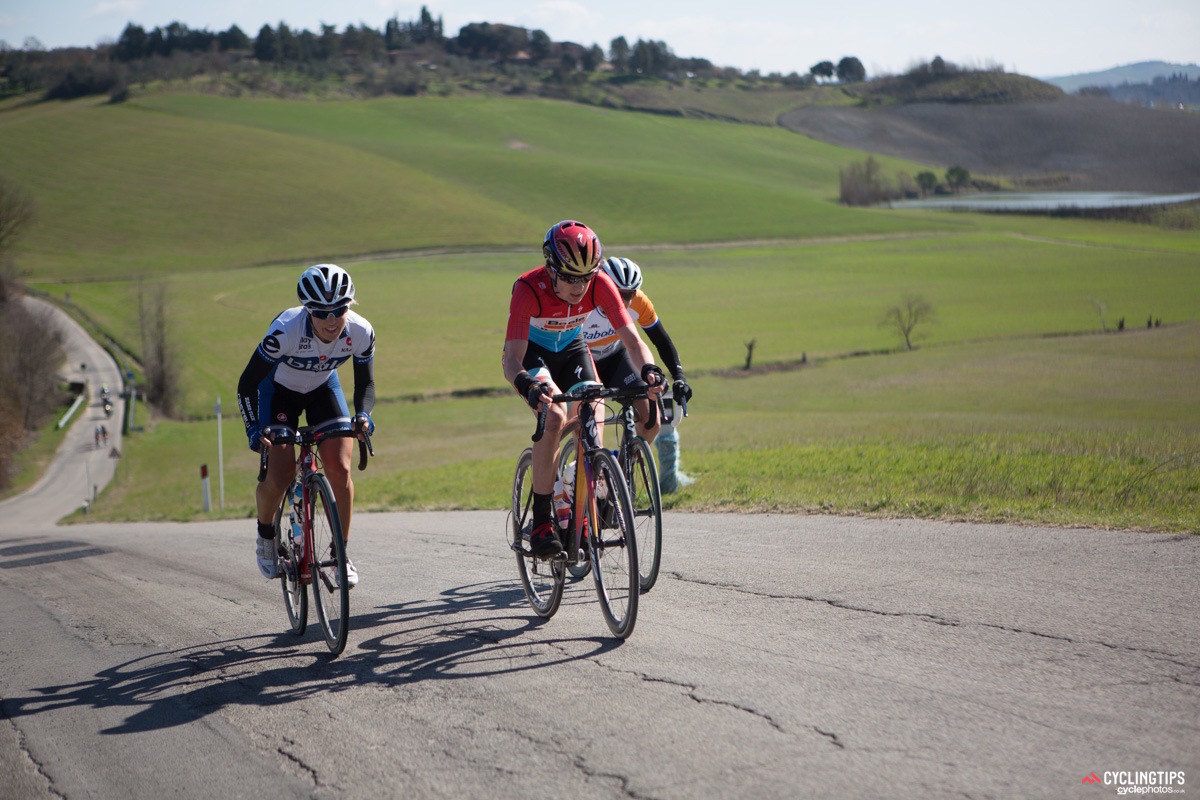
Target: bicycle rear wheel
<point x="613" y="547"/>
<point x="646" y="498"/>
<point x="328" y="564"/>
<point x="295" y="599"/>
<point x="541" y="579"/>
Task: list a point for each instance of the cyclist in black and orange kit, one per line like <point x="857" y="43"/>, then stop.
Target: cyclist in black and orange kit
<point x="543" y="348"/>
<point x="613" y="365"/>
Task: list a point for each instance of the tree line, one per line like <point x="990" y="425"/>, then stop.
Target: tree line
<point x="390" y="60"/>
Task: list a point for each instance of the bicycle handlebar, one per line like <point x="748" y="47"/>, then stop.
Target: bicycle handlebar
<point x="282" y="434"/>
<point x="596" y="391"/>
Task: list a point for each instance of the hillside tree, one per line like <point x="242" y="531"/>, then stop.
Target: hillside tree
<point x="822" y="69"/>
<point x="618" y="54"/>
<point x="957" y="177"/>
<point x="927" y="181"/>
<point x="904" y="317"/>
<point x="850" y="70"/>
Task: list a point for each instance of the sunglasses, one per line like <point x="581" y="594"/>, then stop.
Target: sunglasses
<point x="326" y="313"/>
<point x="575" y="279"/>
<point x="627" y="296"/>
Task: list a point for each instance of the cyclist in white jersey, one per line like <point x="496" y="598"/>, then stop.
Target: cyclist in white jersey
<point x="294" y="369"/>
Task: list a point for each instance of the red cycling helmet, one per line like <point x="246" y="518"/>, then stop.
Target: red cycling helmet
<point x="572" y="249"/>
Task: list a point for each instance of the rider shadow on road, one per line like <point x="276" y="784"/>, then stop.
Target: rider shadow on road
<point x="459" y="634"/>
<point x="178" y="687"/>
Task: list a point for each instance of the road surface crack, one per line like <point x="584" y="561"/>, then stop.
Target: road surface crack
<point x="1159" y="655"/>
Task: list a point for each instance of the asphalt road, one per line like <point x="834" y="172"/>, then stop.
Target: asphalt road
<point x="778" y="656"/>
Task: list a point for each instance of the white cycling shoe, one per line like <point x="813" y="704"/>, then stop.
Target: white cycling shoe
<point x="268" y="558"/>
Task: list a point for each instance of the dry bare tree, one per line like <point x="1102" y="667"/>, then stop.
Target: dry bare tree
<point x="159" y="356"/>
<point x="904" y="317"/>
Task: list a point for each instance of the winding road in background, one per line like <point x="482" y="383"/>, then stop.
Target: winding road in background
<point x="778" y="656"/>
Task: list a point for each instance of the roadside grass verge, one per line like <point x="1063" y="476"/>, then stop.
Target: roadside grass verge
<point x="1100" y="430"/>
<point x="29" y="463"/>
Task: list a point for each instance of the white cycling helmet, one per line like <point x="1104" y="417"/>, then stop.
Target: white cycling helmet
<point x="625" y="274"/>
<point x="325" y="286"/>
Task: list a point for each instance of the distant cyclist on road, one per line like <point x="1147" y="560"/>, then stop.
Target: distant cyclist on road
<point x="613" y="364"/>
<point x="543" y="348"/>
<point x="294" y="369"/>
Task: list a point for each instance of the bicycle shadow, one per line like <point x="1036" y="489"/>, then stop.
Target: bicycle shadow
<point x="182" y="686"/>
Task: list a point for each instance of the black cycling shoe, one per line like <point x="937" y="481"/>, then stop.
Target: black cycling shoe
<point x="543" y="542"/>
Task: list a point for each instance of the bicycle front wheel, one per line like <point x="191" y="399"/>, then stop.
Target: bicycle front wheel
<point x="613" y="546"/>
<point x="327" y="563"/>
<point x="291" y="566"/>
<point x="541" y="579"/>
<point x="647" y="510"/>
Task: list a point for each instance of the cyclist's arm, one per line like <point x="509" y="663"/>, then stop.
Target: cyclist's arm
<point x="639" y="354"/>
<point x="257" y="370"/>
<point x="666" y="349"/>
<point x="364" y="386"/>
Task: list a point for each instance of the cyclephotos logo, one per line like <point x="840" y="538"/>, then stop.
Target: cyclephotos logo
<point x="1137" y="782"/>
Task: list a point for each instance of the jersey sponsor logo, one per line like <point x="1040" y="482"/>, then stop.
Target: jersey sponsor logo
<point x="305" y="344"/>
<point x="270" y="343"/>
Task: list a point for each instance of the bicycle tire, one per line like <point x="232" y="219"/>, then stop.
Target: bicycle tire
<point x="566" y="454"/>
<point x="613" y="547"/>
<point x="327" y="565"/>
<point x="295" y="598"/>
<point x="646" y="498"/>
<point x="541" y="579"/>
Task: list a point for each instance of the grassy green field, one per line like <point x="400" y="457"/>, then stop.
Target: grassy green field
<point x="1015" y="407"/>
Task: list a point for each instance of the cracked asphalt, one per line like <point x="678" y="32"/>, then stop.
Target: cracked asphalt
<point x="777" y="657"/>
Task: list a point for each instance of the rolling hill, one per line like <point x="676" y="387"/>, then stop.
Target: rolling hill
<point x="1071" y="143"/>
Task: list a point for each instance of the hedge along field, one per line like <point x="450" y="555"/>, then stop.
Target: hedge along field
<point x="440" y="319"/>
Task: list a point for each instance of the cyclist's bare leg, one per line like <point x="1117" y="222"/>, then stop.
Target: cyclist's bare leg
<point x="643" y="414"/>
<point x="545" y="450"/>
<point x="335" y="459"/>
<point x="281" y="466"/>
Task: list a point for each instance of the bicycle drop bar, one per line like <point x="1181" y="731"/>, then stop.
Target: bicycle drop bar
<point x="282" y="434"/>
<point x="597" y="392"/>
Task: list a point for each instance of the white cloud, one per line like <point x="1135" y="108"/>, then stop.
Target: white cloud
<point x="113" y="8"/>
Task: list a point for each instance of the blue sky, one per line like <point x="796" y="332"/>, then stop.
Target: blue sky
<point x="1043" y="38"/>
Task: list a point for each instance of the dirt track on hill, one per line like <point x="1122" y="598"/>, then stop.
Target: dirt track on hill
<point x="1075" y="143"/>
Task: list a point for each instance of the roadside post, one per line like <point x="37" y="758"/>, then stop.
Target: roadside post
<point x="205" y="496"/>
<point x="220" y="460"/>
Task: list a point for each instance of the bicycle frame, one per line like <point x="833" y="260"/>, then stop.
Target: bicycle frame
<point x="308" y="463"/>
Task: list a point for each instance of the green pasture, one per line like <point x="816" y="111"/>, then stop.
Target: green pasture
<point x="440" y="320"/>
<point x="1015" y="406"/>
<point x="176" y="183"/>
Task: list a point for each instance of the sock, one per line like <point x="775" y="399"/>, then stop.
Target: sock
<point x="266" y="531"/>
<point x="542" y="508"/>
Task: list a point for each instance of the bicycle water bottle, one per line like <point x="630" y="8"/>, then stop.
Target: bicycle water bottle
<point x="297" y="517"/>
<point x="562" y="506"/>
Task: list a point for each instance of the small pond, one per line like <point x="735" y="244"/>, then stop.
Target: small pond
<point x="1044" y="201"/>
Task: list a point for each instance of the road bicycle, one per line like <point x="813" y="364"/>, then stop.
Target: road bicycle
<point x="317" y="556"/>
<point x="641" y="473"/>
<point x="606" y="540"/>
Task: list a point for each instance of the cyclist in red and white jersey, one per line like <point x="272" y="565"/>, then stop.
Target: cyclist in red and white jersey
<point x="613" y="365"/>
<point x="293" y="370"/>
<point x="544" y="349"/>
